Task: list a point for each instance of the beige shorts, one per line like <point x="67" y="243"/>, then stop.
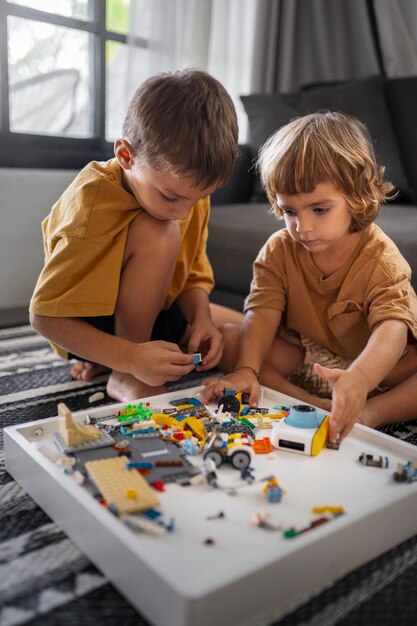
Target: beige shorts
<point x="304" y="375"/>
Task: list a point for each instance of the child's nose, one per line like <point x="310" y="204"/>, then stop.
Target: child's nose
<point x="303" y="225"/>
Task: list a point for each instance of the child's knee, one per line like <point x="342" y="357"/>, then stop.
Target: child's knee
<point x="231" y="333"/>
<point x="147" y="234"/>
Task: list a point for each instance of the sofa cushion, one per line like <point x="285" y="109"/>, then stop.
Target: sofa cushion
<point x="399" y="221"/>
<point x="363" y="99"/>
<point x="237" y="232"/>
<point x="401" y="94"/>
<point x="240" y="184"/>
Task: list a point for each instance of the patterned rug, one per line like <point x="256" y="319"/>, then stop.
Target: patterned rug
<point x="46" y="581"/>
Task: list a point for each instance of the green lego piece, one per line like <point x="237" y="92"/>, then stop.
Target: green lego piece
<point x="134" y="412"/>
<point x="290" y="533"/>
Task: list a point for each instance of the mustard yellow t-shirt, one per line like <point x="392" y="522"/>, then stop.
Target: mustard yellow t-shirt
<point x="84" y="240"/>
<point x="338" y="312"/>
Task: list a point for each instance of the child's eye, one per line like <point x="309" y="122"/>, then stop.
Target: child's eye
<point x="288" y="212"/>
<point x="320" y="210"/>
<point x="167" y="198"/>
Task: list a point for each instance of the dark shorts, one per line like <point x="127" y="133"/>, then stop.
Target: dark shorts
<point x="170" y="326"/>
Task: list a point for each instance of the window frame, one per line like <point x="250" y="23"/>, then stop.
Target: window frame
<point x="26" y="150"/>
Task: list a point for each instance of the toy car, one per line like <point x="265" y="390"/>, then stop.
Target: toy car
<point x="371" y="461"/>
<point x="233" y="449"/>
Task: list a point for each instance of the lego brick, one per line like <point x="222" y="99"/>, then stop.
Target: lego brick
<point x="127" y="490"/>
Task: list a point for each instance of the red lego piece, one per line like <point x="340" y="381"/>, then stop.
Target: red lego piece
<point x="159" y="485"/>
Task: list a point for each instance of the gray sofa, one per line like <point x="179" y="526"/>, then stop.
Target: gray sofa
<point x="240" y="219"/>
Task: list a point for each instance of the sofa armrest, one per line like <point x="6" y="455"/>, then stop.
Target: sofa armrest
<point x="239" y="186"/>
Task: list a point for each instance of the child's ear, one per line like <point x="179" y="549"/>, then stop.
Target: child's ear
<point x="124" y="153"/>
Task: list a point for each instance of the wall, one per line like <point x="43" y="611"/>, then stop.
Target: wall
<point x="26" y="197"/>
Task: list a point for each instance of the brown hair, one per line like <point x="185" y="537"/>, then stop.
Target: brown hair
<point x="184" y="122"/>
<point x="326" y="147"/>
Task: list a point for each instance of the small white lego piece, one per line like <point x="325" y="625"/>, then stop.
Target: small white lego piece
<point x="99" y="395"/>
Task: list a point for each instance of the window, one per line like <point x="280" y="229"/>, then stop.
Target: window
<point x="61" y="97"/>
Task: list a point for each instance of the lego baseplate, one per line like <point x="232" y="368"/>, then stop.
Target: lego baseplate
<point x="220" y="565"/>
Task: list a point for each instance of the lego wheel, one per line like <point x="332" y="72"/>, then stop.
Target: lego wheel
<point x="214" y="456"/>
<point x="240" y="459"/>
<point x="229" y="403"/>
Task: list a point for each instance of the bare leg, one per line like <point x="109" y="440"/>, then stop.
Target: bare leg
<point x="399" y="403"/>
<point x="148" y="265"/>
<point x="282" y="360"/>
<point x="222" y="315"/>
<point x="396" y="405"/>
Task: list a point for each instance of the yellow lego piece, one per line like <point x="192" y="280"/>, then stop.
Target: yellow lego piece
<point x="277" y="416"/>
<point x="164" y="420"/>
<point x="272" y="482"/>
<point x="334" y="510"/>
<point x="131" y="493"/>
<point x="72" y="433"/>
<point x="234" y="436"/>
<point x="126" y="489"/>
<point x="320" y="437"/>
<point x="185" y="407"/>
<point x="196" y="427"/>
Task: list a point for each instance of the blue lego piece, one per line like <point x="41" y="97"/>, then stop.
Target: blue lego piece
<point x="126" y="433"/>
<point x="190" y="447"/>
<point x="151" y="513"/>
<point x="127" y="453"/>
<point x="139" y="465"/>
<point x="274" y="494"/>
<point x="194" y="401"/>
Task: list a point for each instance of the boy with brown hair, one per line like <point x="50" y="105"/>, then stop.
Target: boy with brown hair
<point x="331" y="312"/>
<point x="126" y="276"/>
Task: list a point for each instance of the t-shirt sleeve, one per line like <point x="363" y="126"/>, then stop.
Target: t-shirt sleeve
<point x="84" y="241"/>
<point x="269" y="282"/>
<point x="69" y="289"/>
<point x="391" y="295"/>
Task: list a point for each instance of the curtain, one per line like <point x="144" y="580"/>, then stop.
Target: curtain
<point x="262" y="46"/>
<point x="396" y="22"/>
<point x="212" y="35"/>
<point x="305" y="41"/>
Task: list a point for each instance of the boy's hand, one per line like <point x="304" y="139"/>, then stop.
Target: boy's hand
<point x="239" y="381"/>
<point x="205" y="338"/>
<point x="157" y="362"/>
<point x="349" y="394"/>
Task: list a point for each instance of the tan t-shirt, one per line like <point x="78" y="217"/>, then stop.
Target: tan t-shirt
<point x="84" y="241"/>
<point x="338" y="312"/>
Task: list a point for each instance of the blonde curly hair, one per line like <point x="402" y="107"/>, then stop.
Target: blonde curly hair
<point x="326" y="147"/>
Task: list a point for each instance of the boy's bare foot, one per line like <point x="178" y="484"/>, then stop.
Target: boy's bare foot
<point x="125" y="388"/>
<point x="82" y="370"/>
